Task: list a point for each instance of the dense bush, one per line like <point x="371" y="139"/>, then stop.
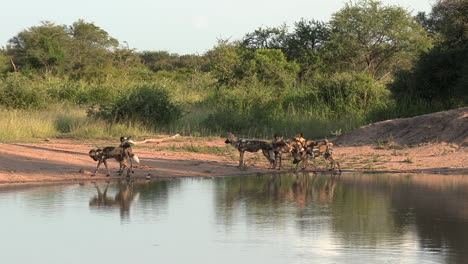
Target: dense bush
<point x="20" y="92"/>
<point x="148" y="104"/>
<point x="342" y="96"/>
<point x="316" y="79"/>
<point x="438" y="81"/>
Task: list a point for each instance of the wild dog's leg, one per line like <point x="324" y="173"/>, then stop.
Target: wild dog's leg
<point x="305" y="158"/>
<point x="268" y="155"/>
<point x="276" y="158"/>
<point x="297" y="166"/>
<point x="327" y="162"/>
<point x="302" y="158"/>
<point x="312" y="156"/>
<point x="335" y="163"/>
<point x="129" y="169"/>
<point x="241" y="158"/>
<point x="272" y="158"/>
<point x="107" y="167"/>
<point x="121" y="168"/>
<point x="280" y="155"/>
<point x="338" y="164"/>
<point x="130" y="157"/>
<point x="97" y="167"/>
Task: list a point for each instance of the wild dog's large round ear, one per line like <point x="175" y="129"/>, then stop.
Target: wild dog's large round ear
<point x="128" y="138"/>
<point x="122" y="139"/>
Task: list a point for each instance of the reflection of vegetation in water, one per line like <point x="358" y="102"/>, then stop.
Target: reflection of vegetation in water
<point x="261" y="196"/>
<point x="362" y="216"/>
<point x="433" y="206"/>
<point x="362" y="210"/>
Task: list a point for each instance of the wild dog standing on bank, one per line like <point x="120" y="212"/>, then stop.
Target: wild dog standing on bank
<point x="249" y="145"/>
<point x="125" y="140"/>
<point x="316" y="149"/>
<point x="122" y="154"/>
<point x="281" y="146"/>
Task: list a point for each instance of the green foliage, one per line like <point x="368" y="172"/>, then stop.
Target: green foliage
<point x="232" y="63"/>
<point x="374" y="38"/>
<point x="439" y="79"/>
<point x="19" y="92"/>
<point x="224" y="61"/>
<point x="4" y="63"/>
<point x="351" y="92"/>
<point x="270" y="66"/>
<point x="266" y="38"/>
<point x="315" y="108"/>
<point x="92" y="35"/>
<point x="318" y="78"/>
<point x="40" y="47"/>
<point x="150" y="105"/>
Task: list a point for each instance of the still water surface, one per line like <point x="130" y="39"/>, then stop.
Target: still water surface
<point x="290" y="218"/>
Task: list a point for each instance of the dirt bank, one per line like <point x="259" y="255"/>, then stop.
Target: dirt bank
<point x="370" y="148"/>
<point x="447" y="126"/>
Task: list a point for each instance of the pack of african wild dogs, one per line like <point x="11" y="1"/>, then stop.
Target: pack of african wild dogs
<point x="301" y="149"/>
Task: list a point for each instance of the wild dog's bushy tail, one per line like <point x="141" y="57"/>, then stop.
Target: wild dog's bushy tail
<point x="135" y="159"/>
<point x="95" y="153"/>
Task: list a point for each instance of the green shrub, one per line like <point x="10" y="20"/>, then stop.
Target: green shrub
<point x="150" y="105"/>
<point x="19" y="92"/>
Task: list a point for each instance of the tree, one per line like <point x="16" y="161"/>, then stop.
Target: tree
<point x="308" y="37"/>
<point x="269" y="66"/>
<point x="58" y="48"/>
<point x="40" y="47"/>
<point x="5" y="64"/>
<point x="370" y="37"/>
<point x="304" y="43"/>
<point x="440" y="76"/>
<point x="92" y="35"/>
<point x="224" y="61"/>
<point x="266" y="38"/>
<point x="92" y="48"/>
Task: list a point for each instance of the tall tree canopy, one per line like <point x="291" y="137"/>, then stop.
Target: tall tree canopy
<point x="440" y="76"/>
<point x="58" y="48"/>
<point x="40" y="47"/>
<point x="371" y="37"/>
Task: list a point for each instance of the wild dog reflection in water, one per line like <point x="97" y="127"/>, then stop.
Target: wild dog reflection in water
<point x="122" y="199"/>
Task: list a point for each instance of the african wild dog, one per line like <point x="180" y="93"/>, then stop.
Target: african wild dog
<point x="316" y="149"/>
<point x="280" y="147"/>
<point x="249" y="145"/>
<point x="283" y="146"/>
<point x="126" y="140"/>
<point x="301" y="140"/>
<point x="122" y="154"/>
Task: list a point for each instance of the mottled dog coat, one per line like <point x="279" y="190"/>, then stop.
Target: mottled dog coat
<point x="249" y="145"/>
<point x="122" y="154"/>
<point x="281" y="146"/>
<point x="315" y="149"/>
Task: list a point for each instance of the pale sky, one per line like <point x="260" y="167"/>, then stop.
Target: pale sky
<point x="177" y="26"/>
